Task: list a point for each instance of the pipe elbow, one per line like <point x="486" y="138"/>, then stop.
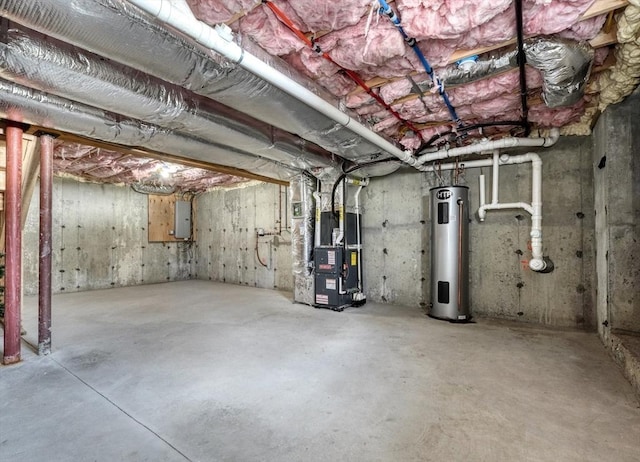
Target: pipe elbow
<point x="482" y="213"/>
<point x="553" y="137"/>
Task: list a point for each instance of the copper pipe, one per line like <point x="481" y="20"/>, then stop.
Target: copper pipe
<point x="44" y="292"/>
<point x="13" y="244"/>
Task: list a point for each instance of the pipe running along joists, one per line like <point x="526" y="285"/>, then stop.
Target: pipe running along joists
<point x="537" y="262"/>
<point x="220" y="40"/>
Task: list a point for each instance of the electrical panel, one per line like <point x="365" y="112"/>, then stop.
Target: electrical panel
<point x="182" y="226"/>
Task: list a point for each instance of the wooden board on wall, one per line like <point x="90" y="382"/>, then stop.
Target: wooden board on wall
<point x="162" y="219"/>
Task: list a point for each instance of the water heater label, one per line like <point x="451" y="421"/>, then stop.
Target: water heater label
<point x="322" y="299"/>
<point x="443" y="194"/>
<point x="331" y="284"/>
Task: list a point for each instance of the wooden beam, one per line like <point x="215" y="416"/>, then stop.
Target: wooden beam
<point x="151" y="154"/>
<point x="604" y="39"/>
<point x="603" y="6"/>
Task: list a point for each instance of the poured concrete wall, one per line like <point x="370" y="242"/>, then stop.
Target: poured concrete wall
<point x="226" y="225"/>
<point x="616" y="167"/>
<point x="100" y="241"/>
<point x="397" y="250"/>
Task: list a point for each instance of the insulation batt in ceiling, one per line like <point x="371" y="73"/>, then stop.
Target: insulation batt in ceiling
<point x="358" y="38"/>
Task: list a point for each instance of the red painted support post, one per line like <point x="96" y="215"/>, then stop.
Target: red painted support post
<point x="13" y="245"/>
<point x="44" y="291"/>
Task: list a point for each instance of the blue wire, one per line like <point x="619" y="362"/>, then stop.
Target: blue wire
<point x="386" y="10"/>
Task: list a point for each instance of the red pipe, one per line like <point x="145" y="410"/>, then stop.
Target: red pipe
<point x="13" y="245"/>
<point x="44" y="292"/>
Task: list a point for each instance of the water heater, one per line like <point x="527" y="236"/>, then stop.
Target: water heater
<point x="450" y="253"/>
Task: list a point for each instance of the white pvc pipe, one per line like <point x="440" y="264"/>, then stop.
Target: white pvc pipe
<point x="482" y="190"/>
<point x="495" y="179"/>
<point x="485" y="146"/>
<point x="360" y="184"/>
<point x="221" y="41"/>
<point x="316" y="237"/>
<point x="536" y="263"/>
<point x="504" y="206"/>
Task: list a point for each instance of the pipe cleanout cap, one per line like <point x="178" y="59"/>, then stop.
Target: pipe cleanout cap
<point x="537" y="264"/>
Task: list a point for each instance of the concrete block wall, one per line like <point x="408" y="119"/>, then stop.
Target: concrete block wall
<point x="226" y="224"/>
<point x="616" y="170"/>
<point x="100" y="241"/>
<point x="397" y="253"/>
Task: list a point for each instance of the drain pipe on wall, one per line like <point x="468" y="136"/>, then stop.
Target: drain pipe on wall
<point x="538" y="262"/>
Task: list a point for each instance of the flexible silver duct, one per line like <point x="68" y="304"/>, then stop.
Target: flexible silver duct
<point x="111" y="27"/>
<point x="565" y="66"/>
<point x="65" y="71"/>
<point x="38" y="108"/>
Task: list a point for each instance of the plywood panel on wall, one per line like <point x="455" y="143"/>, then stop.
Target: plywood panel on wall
<point x="162" y="219"/>
<point x="161" y="216"/>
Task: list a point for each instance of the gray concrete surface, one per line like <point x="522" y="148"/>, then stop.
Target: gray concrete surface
<point x="227" y="220"/>
<point x="397" y="248"/>
<point x="616" y="167"/>
<point x="100" y="240"/>
<point x="203" y="371"/>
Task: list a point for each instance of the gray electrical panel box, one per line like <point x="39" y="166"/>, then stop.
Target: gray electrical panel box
<point x="182" y="225"/>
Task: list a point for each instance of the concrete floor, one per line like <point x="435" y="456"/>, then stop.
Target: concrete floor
<point x="201" y="371"/>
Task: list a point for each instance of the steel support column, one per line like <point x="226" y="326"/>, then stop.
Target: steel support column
<point x="13" y="245"/>
<point x="44" y="291"/>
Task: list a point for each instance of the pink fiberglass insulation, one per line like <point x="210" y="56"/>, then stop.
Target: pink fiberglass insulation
<point x="544" y="17"/>
<point x="556" y="117"/>
<point x="356" y="47"/>
<point x="448" y="19"/>
<point x="326" y="16"/>
<point x="585" y="30"/>
<point x="217" y="11"/>
<point x="358" y="38"/>
<point x="264" y="28"/>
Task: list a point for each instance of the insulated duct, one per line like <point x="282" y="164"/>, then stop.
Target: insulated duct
<point x="301" y="192"/>
<point x="34" y="107"/>
<point x="70" y="73"/>
<point x="565" y="66"/>
<point x="110" y="27"/>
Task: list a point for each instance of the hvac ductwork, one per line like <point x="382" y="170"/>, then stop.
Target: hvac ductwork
<point x="565" y="66"/>
<point x="65" y="71"/>
<point x="110" y="27"/>
<point x="38" y="108"/>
